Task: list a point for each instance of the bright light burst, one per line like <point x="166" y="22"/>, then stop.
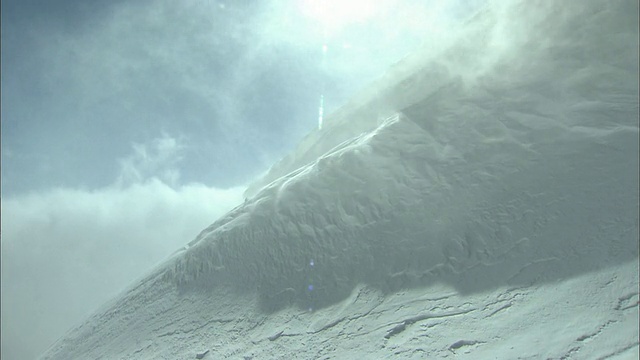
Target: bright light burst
<point x="333" y="15"/>
<point x="367" y="22"/>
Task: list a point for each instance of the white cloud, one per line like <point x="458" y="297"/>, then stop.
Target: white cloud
<point x="65" y="252"/>
<point x="159" y="157"/>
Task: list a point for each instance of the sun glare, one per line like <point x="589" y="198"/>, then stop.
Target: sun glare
<point x="333" y="15"/>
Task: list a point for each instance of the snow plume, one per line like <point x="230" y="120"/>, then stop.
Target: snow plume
<point x="506" y="46"/>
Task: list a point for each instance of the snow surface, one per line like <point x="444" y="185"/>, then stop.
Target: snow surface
<point x="479" y="202"/>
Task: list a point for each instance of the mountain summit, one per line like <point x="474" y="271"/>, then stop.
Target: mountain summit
<point x="479" y="201"/>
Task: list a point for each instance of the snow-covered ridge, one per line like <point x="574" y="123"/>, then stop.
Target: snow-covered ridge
<point x="400" y="207"/>
<point x="338" y="212"/>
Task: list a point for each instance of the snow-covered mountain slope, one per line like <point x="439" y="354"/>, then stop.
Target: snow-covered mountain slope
<point x="477" y="203"/>
<point x="539" y="56"/>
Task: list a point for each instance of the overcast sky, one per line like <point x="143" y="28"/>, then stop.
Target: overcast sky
<point x="129" y="126"/>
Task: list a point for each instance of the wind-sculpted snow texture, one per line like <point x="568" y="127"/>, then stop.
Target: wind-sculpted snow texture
<point x="476" y="203"/>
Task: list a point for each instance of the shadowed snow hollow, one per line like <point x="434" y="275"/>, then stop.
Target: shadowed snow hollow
<point x="496" y="178"/>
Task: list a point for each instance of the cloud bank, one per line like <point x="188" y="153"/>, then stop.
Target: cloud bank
<point x="67" y="251"/>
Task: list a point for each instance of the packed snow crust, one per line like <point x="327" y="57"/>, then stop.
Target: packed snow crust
<point x="479" y="201"/>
